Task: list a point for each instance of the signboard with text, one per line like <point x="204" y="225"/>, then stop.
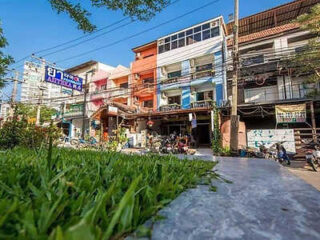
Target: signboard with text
<point x="291" y="113"/>
<point x="63" y="79"/>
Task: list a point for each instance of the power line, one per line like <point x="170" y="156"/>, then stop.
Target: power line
<point x="139" y="33"/>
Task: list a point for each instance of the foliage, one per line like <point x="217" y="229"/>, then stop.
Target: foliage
<point x="5" y="60"/>
<point x="88" y="194"/>
<point x="26" y="111"/>
<point x="141" y="9"/>
<point x="118" y="140"/>
<point x="308" y="59"/>
<point x="20" y="133"/>
<point x="217" y="140"/>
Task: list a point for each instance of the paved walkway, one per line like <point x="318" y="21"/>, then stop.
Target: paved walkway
<point x="265" y="201"/>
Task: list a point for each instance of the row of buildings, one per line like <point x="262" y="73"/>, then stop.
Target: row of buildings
<point x="176" y="79"/>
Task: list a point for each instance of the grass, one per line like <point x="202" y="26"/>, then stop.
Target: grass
<point x="86" y="194"/>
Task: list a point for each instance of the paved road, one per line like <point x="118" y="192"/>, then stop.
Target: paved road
<point x="265" y="201"/>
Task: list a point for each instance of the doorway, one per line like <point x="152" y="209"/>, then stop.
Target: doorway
<point x="203" y="134"/>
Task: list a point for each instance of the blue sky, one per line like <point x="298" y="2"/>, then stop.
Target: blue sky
<point x="31" y="25"/>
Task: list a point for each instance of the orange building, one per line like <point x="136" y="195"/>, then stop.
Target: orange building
<point x="118" y="85"/>
<point x="144" y="75"/>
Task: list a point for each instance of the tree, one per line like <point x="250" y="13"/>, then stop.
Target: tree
<point x="28" y="112"/>
<point x="143" y="10"/>
<point x="5" y="60"/>
<point x="308" y="59"/>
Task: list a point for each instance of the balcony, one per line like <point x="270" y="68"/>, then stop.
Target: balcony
<point x="96" y="95"/>
<point x="122" y="92"/>
<point x="144" y="90"/>
<point x="188" y="78"/>
<point x="170" y="107"/>
<point x="202" y="104"/>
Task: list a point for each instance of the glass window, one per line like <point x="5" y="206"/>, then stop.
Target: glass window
<point x="181" y="35"/>
<point x="148" y="103"/>
<point x="174" y="45"/>
<point x="197" y="37"/>
<point x="215" y="32"/>
<point x="174" y="37"/>
<point x="104" y="87"/>
<point x="190" y="40"/>
<point x="167" y="47"/>
<point x="161" y="49"/>
<point x="200" y="96"/>
<point x="204" y="67"/>
<point x="166" y="40"/>
<point x="189" y="32"/>
<point x="197" y="29"/>
<point x="206" y="34"/>
<point x="124" y="85"/>
<point x="181" y="42"/>
<point x="174" y="100"/>
<point x="205" y="26"/>
<point x="148" y="80"/>
<point x="174" y="74"/>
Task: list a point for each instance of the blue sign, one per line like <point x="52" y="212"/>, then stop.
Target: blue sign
<point x="63" y="79"/>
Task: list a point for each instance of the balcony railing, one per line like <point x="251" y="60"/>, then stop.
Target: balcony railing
<point x="202" y="104"/>
<point x="170" y="107"/>
<point x="189" y="77"/>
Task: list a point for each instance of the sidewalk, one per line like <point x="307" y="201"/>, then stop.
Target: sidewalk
<point x="265" y="201"/>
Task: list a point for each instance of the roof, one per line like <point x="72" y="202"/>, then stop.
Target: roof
<point x="273" y="17"/>
<point x="120" y="71"/>
<point x="266" y="33"/>
<point x="145" y="46"/>
<point x="80" y="66"/>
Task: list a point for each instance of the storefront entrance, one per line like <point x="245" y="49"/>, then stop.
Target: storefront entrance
<point x="203" y="131"/>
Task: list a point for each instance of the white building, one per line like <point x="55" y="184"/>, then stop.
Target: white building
<point x="33" y="81"/>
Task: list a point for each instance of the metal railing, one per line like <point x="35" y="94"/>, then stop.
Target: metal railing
<point x="202" y="104"/>
<point x="170" y="107"/>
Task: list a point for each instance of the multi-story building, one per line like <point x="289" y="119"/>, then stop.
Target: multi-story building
<point x="180" y="76"/>
<point x="268" y="42"/>
<point x="34" y="86"/>
<point x="143" y="77"/>
<point x="97" y="75"/>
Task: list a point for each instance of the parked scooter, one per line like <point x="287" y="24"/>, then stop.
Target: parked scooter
<point x="313" y="156"/>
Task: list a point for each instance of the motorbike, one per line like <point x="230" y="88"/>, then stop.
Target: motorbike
<point x="166" y="146"/>
<point x="313" y="157"/>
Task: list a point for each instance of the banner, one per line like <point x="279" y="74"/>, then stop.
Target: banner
<point x="291" y="113"/>
<point x="63" y="79"/>
<point x="268" y="137"/>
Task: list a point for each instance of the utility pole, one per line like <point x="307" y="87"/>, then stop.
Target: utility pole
<point x="41" y="89"/>
<point x="234" y="110"/>
<point x="14" y="93"/>
<point x="84" y="109"/>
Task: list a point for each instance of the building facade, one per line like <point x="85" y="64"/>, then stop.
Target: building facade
<point x="269" y="78"/>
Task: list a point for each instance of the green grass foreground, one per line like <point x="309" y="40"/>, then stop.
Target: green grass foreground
<point x="86" y="194"/>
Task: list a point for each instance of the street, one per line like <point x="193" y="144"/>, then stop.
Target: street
<point x="264" y="201"/>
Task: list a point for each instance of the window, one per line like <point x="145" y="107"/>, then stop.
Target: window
<point x="148" y="104"/>
<point x="181" y="42"/>
<point x="200" y="96"/>
<point x="188" y="37"/>
<point x="197" y="37"/>
<point x="174" y="100"/>
<point x="161" y="49"/>
<point x="206" y="34"/>
<point x="197" y="29"/>
<point x="104" y="87"/>
<point x="174" y="45"/>
<point x="148" y="80"/>
<point x="174" y="74"/>
<point x="124" y="85"/>
<point x="215" y="32"/>
<point x="204" y="67"/>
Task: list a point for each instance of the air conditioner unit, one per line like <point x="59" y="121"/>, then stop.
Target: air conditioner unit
<point x="161" y="42"/>
<point x="136" y="76"/>
<point x="163" y="95"/>
<point x="214" y="24"/>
